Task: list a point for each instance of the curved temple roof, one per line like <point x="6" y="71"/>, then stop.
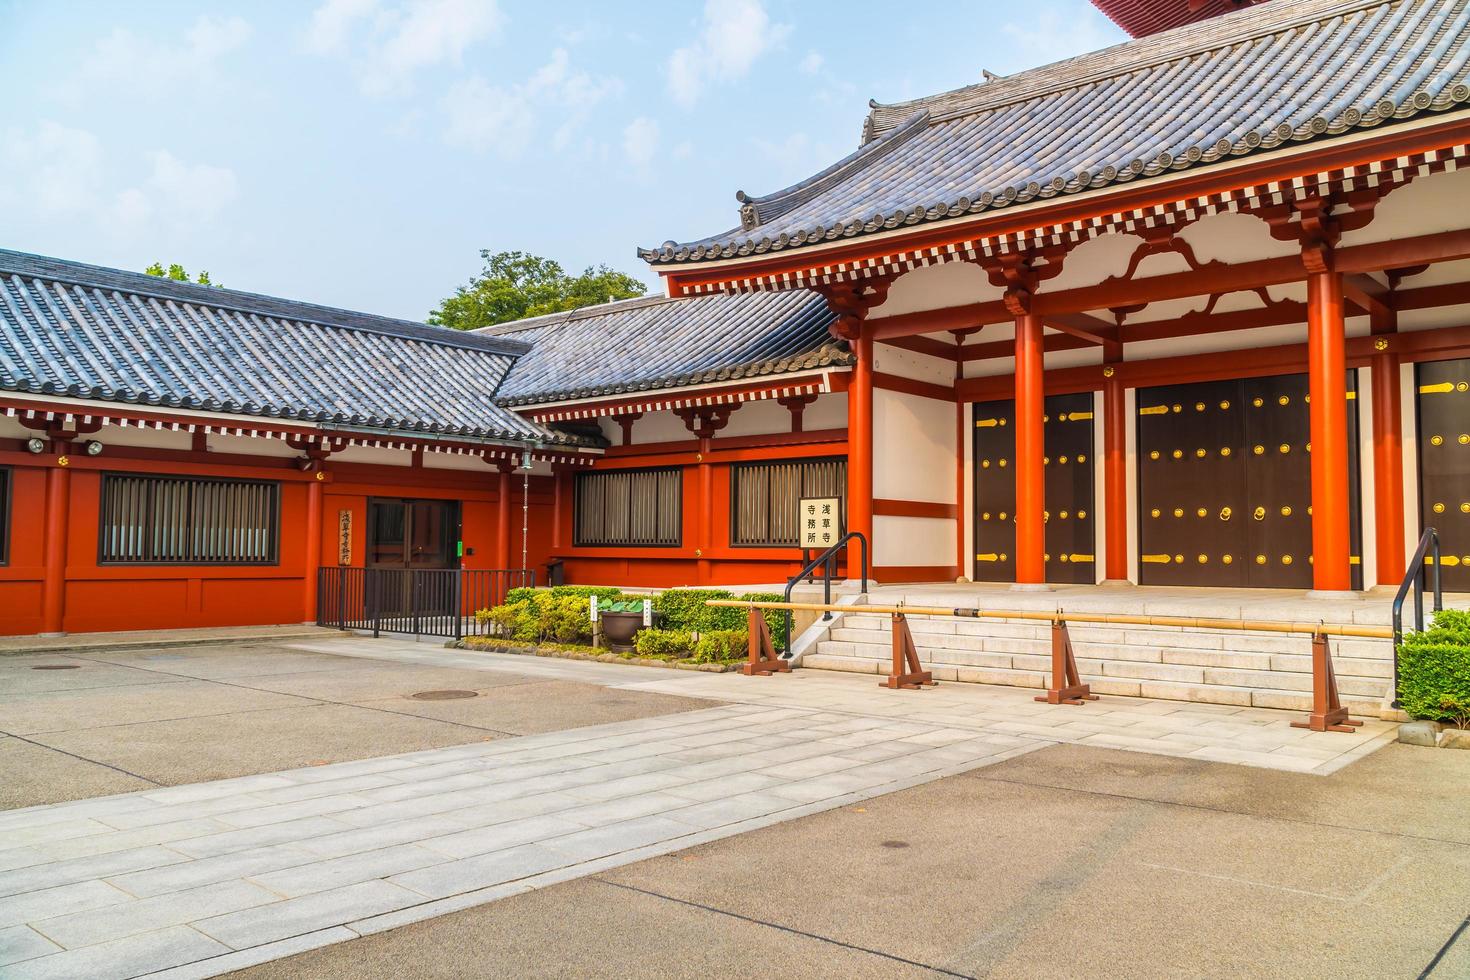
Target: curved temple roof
<point x="654" y="343"/>
<point x="1268" y="76"/>
<point x="82" y="331"/>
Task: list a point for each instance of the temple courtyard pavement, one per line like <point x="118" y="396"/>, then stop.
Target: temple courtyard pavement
<point x="280" y="803"/>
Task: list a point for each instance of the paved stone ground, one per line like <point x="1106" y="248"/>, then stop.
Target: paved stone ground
<point x="116" y="719"/>
<point x="202" y="878"/>
<point x="1065" y="862"/>
<point x="217" y="875"/>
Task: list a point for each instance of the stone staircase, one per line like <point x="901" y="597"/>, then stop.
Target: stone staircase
<point x="1263" y="670"/>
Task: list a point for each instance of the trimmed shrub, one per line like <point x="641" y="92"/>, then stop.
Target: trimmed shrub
<point x="541" y="616"/>
<point x="685" y="609"/>
<point x="663" y="643"/>
<point x="521" y="593"/>
<point x="722" y="646"/>
<point x="603" y="592"/>
<point x="1434" y="669"/>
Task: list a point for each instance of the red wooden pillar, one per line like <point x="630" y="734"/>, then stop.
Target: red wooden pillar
<point x="1115" y="476"/>
<point x="1327" y="369"/>
<point x="860" y="440"/>
<point x="706" y="513"/>
<point x="1388" y="464"/>
<point x="53" y="583"/>
<point x="1030" y="448"/>
<point x="502" y="515"/>
<point x="313" y="559"/>
<point x="557" y="479"/>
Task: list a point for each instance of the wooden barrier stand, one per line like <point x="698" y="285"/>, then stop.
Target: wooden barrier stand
<point x="1327" y="715"/>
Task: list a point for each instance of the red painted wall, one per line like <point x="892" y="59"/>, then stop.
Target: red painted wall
<point x="133" y="597"/>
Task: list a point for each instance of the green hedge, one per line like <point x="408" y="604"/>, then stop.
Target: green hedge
<point x="721" y="646"/>
<point x="685" y="609"/>
<point x="1434" y="669"/>
<point x="539" y="616"/>
<point x="654" y="643"/>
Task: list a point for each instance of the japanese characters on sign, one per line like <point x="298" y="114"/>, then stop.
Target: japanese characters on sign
<point x="819" y="522"/>
<point x="344" y="537"/>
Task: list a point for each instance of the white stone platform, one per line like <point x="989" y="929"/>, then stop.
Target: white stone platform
<point x="1244" y="669"/>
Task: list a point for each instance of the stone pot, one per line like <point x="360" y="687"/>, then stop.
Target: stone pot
<point x="620" y="628"/>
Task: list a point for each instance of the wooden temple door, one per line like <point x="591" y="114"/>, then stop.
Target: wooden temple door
<point x="404" y="536"/>
<point x="1444" y="464"/>
<point x="1070" y="541"/>
<point x="1225" y="484"/>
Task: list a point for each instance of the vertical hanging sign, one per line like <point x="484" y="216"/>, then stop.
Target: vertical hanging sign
<point x="820" y="522"/>
<point x="344" y="537"/>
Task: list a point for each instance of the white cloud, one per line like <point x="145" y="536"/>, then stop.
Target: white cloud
<point x="640" y="141"/>
<point x="53" y="171"/>
<point x="812" y="63"/>
<point x="333" y="22"/>
<point x="191" y="192"/>
<point x="1050" y="34"/>
<point x="734" y="34"/>
<point x="58" y="172"/>
<point x="482" y="116"/>
<point x="389" y="43"/>
<point x="156" y="67"/>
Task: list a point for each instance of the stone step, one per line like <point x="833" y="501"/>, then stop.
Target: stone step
<point x="931" y="632"/>
<point x="1366" y="702"/>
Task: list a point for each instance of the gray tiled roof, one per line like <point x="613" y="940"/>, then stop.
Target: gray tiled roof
<point x="652" y="343"/>
<point x="83" y="331"/>
<point x="1269" y="76"/>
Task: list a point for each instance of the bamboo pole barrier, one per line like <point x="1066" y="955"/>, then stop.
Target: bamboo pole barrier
<point x="1187" y="622"/>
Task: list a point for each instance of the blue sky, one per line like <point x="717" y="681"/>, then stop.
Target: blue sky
<point x="360" y="152"/>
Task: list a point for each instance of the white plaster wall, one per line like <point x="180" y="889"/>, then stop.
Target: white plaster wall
<point x="1445" y="316"/>
<point x="1367" y="474"/>
<point x="913" y="540"/>
<point x="653" y="427"/>
<point x="113" y="435"/>
<point x="910" y="364"/>
<point x="935" y="287"/>
<point x="913" y="450"/>
<point x="454" y="461"/>
<point x="1430" y="204"/>
<point x="372" y="455"/>
<point x="257" y="446"/>
<point x="758" y="418"/>
<point x="827" y="412"/>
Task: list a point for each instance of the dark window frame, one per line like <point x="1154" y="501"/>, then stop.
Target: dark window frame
<point x="737" y="468"/>
<point x="273" y="531"/>
<point x="6" y="492"/>
<point x="578" y="533"/>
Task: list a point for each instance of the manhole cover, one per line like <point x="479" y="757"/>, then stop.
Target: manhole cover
<point x="56" y="667"/>
<point x="895" y="843"/>
<point x="442" y="695"/>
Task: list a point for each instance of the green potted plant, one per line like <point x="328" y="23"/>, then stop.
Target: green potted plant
<point x="622" y="618"/>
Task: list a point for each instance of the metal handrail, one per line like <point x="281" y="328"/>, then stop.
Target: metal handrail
<point x="829" y="558"/>
<point x="1060" y="615"/>
<point x="1415" y="578"/>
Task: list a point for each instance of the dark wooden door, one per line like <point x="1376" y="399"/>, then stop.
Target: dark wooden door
<point x="1225" y="484"/>
<point x="405" y="536"/>
<point x="1444" y="464"/>
<point x="1068" y="435"/>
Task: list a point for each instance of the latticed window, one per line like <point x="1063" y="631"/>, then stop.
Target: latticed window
<point x="630" y="507"/>
<point x="170" y="521"/>
<point x="764" y="496"/>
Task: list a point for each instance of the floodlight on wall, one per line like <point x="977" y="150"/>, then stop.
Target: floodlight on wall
<point x="36" y="445"/>
<point x="94" y="448"/>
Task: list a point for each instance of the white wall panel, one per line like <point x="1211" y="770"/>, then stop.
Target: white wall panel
<point x="913" y="449"/>
<point x="913" y="540"/>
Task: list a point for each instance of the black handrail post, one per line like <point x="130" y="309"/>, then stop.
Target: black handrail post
<point x="828" y="557"/>
<point x="1438" y="592"/>
<point x="1416" y="578"/>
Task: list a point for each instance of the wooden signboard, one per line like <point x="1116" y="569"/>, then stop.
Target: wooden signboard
<point x="819" y="520"/>
<point x="344" y="537"/>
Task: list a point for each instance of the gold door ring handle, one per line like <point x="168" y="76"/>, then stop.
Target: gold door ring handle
<point x="1225" y="513"/>
<point x="1259" y="514"/>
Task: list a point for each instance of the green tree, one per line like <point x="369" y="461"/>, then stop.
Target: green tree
<point x="176" y="272"/>
<point x="515" y="285"/>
